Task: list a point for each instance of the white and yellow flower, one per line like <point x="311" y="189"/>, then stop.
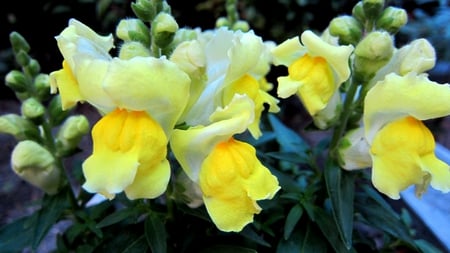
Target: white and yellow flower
<point x="140" y="106"/>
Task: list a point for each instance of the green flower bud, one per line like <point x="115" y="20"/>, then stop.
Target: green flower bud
<point x="358" y="12"/>
<point x="71" y="132"/>
<point x="56" y="113"/>
<point x="392" y="19"/>
<point x="222" y="22"/>
<point x="372" y="53"/>
<point x="18" y="42"/>
<point x="347" y="29"/>
<point x="33" y="109"/>
<point x="241" y="25"/>
<point x="144" y="10"/>
<point x="16" y="80"/>
<point x="22" y="58"/>
<point x="36" y="165"/>
<point x="372" y="8"/>
<point x="164" y="28"/>
<point x="42" y="86"/>
<point x="133" y="30"/>
<point x="33" y="67"/>
<point x="132" y="49"/>
<point x="18" y="127"/>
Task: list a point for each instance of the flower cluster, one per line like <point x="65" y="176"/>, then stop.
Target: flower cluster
<point x="210" y="88"/>
<point x="174" y="103"/>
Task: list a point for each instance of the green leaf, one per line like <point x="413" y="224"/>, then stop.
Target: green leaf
<point x="138" y="246"/>
<point x="9" y="239"/>
<point x="292" y="219"/>
<point x="227" y="249"/>
<point x="340" y="188"/>
<point x="51" y="211"/>
<point x="377" y="216"/>
<point x="293" y="157"/>
<point x="116" y="217"/>
<point x="426" y="247"/>
<point x="250" y="234"/>
<point x="155" y="232"/>
<point x="303" y="240"/>
<point x="328" y="227"/>
<point x="289" y="140"/>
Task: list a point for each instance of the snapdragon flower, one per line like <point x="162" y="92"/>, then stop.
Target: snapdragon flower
<point x="136" y="95"/>
<point x="395" y="141"/>
<point x="228" y="93"/>
<point x="316" y="69"/>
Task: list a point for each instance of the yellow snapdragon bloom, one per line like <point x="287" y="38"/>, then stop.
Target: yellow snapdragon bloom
<point x="316" y="69"/>
<point x="232" y="62"/>
<point x="137" y="96"/>
<point x="401" y="147"/>
<point x="228" y="172"/>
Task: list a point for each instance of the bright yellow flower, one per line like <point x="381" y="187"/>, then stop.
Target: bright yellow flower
<point x="142" y="97"/>
<point x="232" y="179"/>
<point x="401" y="147"/>
<point x="316" y="69"/>
<point x="129" y="155"/>
<point x="403" y="155"/>
<point x="229" y="175"/>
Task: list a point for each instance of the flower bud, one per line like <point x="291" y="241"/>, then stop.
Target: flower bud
<point x="372" y="8"/>
<point x="133" y="30"/>
<point x="353" y="150"/>
<point x="42" y="86"/>
<point x="33" y="109"/>
<point x="372" y="53"/>
<point x="222" y="22"/>
<point x="18" y="42"/>
<point x="71" y="132"/>
<point x="188" y="191"/>
<point x="22" y="58"/>
<point x="33" y="67"/>
<point x="241" y="25"/>
<point x="164" y="28"/>
<point x="132" y="49"/>
<point x="16" y="80"/>
<point x="392" y="19"/>
<point x="56" y="113"/>
<point x="144" y="10"/>
<point x="347" y="29"/>
<point x="36" y="165"/>
<point x="358" y="12"/>
<point x="18" y="127"/>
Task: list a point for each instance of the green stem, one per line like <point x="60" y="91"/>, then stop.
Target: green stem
<point x="232" y="13"/>
<point x="344" y="117"/>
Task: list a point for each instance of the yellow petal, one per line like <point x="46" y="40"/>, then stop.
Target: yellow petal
<point x="403" y="155"/>
<point x="232" y="179"/>
<point x="336" y="56"/>
<point x="150" y="181"/>
<point x="315" y="82"/>
<point x="288" y="52"/>
<point x="157" y="86"/>
<point x="121" y="152"/>
<point x="225" y="122"/>
<point x="399" y="96"/>
<point x="251" y="87"/>
<point x="64" y="81"/>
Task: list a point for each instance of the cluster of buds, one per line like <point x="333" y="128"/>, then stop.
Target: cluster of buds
<point x="35" y="157"/>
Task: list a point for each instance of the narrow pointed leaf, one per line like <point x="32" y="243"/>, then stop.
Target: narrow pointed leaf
<point x="156" y="234"/>
<point x="340" y="188"/>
